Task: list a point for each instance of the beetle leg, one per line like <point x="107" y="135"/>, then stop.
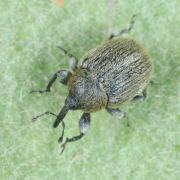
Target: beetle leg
<point x="126" y="30"/>
<point x="63" y="74"/>
<point x="140" y="97"/>
<point x="116" y="112"/>
<point x="50" y="113"/>
<point x="84" y="125"/>
<point x="73" y="61"/>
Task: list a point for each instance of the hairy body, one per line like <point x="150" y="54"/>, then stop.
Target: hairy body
<point x="113" y="73"/>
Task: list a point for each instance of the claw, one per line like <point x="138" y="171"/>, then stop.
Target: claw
<point x="64" y="145"/>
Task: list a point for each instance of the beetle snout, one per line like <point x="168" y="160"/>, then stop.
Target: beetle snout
<point x="72" y="102"/>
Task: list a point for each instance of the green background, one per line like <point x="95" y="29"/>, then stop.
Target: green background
<point x="30" y="30"/>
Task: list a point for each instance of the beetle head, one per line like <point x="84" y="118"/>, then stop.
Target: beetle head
<point x="85" y="92"/>
<point x="70" y="103"/>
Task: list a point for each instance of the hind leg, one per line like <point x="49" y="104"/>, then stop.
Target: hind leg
<point x="116" y="112"/>
<point x="140" y="97"/>
<point x="126" y="30"/>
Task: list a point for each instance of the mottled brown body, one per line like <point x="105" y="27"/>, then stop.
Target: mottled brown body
<point x="111" y="74"/>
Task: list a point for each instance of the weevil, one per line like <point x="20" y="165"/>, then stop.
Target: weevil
<point x="113" y="73"/>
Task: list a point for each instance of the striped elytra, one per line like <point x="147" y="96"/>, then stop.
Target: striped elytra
<point x="117" y="71"/>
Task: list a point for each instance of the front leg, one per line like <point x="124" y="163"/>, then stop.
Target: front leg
<point x="84" y="125"/>
<point x="64" y="77"/>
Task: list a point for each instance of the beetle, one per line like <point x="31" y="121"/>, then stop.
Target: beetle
<point x="113" y="73"/>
